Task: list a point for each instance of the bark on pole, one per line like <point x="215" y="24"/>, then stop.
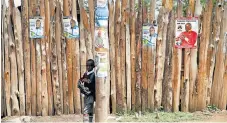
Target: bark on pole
<point x="76" y="65"/>
<point x="144" y="92"/>
<point x="13" y="67"/>
<point x="128" y="60"/>
<point x="204" y="42"/>
<point x="101" y="83"/>
<point x="112" y="56"/>
<point x="66" y="12"/>
<point x="133" y="52"/>
<point x="33" y="61"/>
<point x="219" y="97"/>
<point x="119" y="92"/>
<point x="19" y="56"/>
<point x="27" y="63"/>
<point x="151" y="62"/>
<point x="193" y="65"/>
<point x="139" y="57"/>
<point x="7" y="63"/>
<point x="176" y="71"/>
<point x="48" y="55"/>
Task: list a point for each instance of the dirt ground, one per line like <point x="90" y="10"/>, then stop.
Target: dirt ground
<point x="203" y="117"/>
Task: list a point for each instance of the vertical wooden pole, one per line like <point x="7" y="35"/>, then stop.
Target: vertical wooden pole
<point x="54" y="69"/>
<point x="69" y="60"/>
<point x="33" y="61"/>
<point x="7" y="64"/>
<point x="144" y="92"/>
<point x="48" y="28"/>
<point x="19" y="56"/>
<point x="167" y="84"/>
<point x="133" y="52"/>
<point x="151" y="62"/>
<point x="128" y="59"/>
<point x="193" y="66"/>
<point x="176" y="64"/>
<point x="13" y="66"/>
<point x="119" y="92"/>
<point x="219" y="97"/>
<point x="202" y="73"/>
<point x="122" y="44"/>
<point x="101" y="85"/>
<point x="112" y="56"/>
<point x="27" y="63"/>
<point x="76" y="65"/>
<point x="138" y="54"/>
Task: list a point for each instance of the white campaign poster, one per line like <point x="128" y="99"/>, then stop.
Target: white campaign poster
<point x="71" y="28"/>
<point x="186" y="32"/>
<point x="149" y="35"/>
<point x="36" y="28"/>
<point x="101" y="62"/>
<point x="101" y="39"/>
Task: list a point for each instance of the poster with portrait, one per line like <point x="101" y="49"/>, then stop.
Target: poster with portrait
<point x="186" y="32"/>
<point x="101" y="39"/>
<point x="101" y="13"/>
<point x="149" y="35"/>
<point x="71" y="28"/>
<point x="101" y="63"/>
<point x="36" y="27"/>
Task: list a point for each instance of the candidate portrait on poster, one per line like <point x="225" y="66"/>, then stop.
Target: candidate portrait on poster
<point x="101" y="39"/>
<point x="149" y="35"/>
<point x="186" y="33"/>
<point x="36" y="28"/>
<point x="71" y="28"/>
<point x="101" y="13"/>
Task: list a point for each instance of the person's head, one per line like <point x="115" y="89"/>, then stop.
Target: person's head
<point x="90" y="65"/>
<point x="38" y="24"/>
<point x="99" y="33"/>
<point x="188" y="27"/>
<point x="72" y="23"/>
<point x="152" y="30"/>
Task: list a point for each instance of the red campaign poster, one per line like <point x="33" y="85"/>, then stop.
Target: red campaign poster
<point x="186" y="32"/>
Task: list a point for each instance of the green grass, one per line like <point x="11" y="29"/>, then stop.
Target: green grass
<point x="163" y="117"/>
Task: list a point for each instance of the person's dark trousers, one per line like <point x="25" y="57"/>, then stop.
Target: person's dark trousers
<point x="88" y="108"/>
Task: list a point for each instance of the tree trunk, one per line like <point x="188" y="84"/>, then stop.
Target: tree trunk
<point x="13" y="69"/>
<point x="176" y="71"/>
<point x="133" y="52"/>
<point x="7" y="64"/>
<point x="54" y="69"/>
<point x="119" y="91"/>
<point x="167" y="84"/>
<point x="193" y="66"/>
<point x="27" y="63"/>
<point x="202" y="73"/>
<point x="144" y="82"/>
<point x="112" y="56"/>
<point x="48" y="27"/>
<point x="218" y="94"/>
<point x="76" y="65"/>
<point x="92" y="19"/>
<point x="138" y="59"/>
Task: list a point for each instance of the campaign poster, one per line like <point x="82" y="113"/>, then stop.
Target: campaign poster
<point x="71" y="28"/>
<point x="101" y="39"/>
<point x="186" y="32"/>
<point x="101" y="13"/>
<point x="101" y="63"/>
<point x="149" y="35"/>
<point x="36" y="27"/>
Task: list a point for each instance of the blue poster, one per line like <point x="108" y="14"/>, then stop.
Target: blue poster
<point x="149" y="35"/>
<point x="36" y="28"/>
<point x="101" y="13"/>
<point x="71" y="28"/>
